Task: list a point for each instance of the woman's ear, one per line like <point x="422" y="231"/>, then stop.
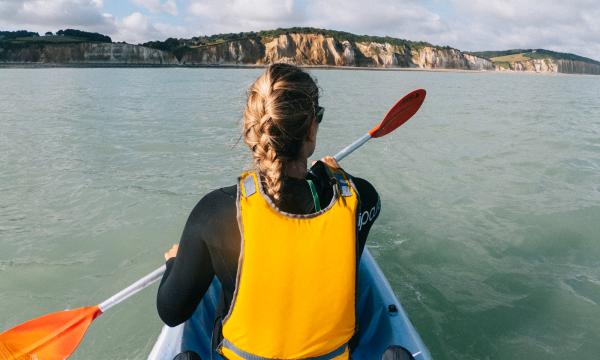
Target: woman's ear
<point x="311" y="136"/>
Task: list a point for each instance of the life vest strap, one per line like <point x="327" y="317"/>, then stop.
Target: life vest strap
<point x="249" y="186"/>
<point x="315" y="194"/>
<point x="246" y="355"/>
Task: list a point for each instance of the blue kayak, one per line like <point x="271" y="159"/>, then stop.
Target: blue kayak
<point x="382" y="322"/>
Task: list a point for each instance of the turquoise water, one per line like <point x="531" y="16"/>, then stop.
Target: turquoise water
<point x="490" y="225"/>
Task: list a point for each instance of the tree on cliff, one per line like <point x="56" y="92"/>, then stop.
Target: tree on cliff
<point x="88" y="36"/>
<point x="9" y="35"/>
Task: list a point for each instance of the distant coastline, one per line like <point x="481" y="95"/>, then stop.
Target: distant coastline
<point x="306" y="47"/>
<point x="262" y="66"/>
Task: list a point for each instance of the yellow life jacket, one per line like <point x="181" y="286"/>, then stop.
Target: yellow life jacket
<point x="296" y="284"/>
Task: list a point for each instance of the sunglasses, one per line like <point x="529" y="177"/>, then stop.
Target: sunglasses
<point x="319" y="114"/>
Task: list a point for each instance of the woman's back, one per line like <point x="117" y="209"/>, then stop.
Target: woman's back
<point x="210" y="244"/>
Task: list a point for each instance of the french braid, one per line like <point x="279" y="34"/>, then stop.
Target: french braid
<point x="279" y="111"/>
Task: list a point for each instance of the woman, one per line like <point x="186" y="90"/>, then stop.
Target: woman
<point x="284" y="242"/>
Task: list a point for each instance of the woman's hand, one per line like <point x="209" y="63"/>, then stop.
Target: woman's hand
<point x="331" y="162"/>
<point x="172" y="252"/>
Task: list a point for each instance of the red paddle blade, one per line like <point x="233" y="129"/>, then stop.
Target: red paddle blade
<point x="52" y="336"/>
<point x="403" y="110"/>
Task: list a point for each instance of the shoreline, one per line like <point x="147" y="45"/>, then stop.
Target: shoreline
<point x="5" y="65"/>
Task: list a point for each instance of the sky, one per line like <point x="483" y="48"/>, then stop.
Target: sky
<point x="559" y="25"/>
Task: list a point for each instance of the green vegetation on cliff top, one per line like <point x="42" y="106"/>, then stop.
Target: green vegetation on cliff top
<point x="172" y="44"/>
<point x="25" y="38"/>
<point x="509" y="56"/>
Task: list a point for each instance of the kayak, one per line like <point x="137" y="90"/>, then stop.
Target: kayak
<point x="382" y="322"/>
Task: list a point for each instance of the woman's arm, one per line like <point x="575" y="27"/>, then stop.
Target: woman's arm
<point x="189" y="274"/>
<point x="370" y="206"/>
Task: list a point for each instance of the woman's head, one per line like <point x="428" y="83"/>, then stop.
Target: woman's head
<point x="279" y="121"/>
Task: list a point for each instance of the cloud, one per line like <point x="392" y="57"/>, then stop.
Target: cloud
<point x="216" y="16"/>
<point x="43" y="15"/>
<point x="408" y="20"/>
<point x="571" y="26"/>
<point x="88" y="15"/>
<point x="137" y="28"/>
<point x="156" y="6"/>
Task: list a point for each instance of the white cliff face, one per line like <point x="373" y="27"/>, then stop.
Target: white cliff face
<point x="477" y="63"/>
<point x="124" y="54"/>
<point x="247" y="51"/>
<point x="446" y="58"/>
<point x="293" y="48"/>
<point x="551" y="66"/>
<point x="90" y="54"/>
<point x="380" y="54"/>
<point x="577" y="67"/>
<point x="348" y="53"/>
<point x="305" y="49"/>
<point x="317" y="49"/>
<point x="535" y="65"/>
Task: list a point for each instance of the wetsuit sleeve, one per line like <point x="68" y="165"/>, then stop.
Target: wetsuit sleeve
<point x="370" y="206"/>
<point x="190" y="273"/>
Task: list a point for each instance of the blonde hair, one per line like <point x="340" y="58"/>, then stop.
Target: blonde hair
<point x="280" y="109"/>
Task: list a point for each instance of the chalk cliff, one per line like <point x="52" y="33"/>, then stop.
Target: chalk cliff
<point x="551" y="66"/>
<point x="86" y="53"/>
<point x="301" y="46"/>
<point x="541" y="61"/>
<point x="318" y="49"/>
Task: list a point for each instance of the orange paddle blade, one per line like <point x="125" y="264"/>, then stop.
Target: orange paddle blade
<point x="403" y="110"/>
<point x="52" y="336"/>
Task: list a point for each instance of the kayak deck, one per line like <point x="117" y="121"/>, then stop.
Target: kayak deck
<point x="382" y="322"/>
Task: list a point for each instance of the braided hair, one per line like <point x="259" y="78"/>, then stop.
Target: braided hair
<point x="279" y="111"/>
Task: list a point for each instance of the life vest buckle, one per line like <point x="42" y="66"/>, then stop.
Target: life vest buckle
<point x="249" y="186"/>
<point x="343" y="184"/>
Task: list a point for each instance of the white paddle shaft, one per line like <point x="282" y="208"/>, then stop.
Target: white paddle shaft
<point x="350" y="148"/>
<point x="133" y="289"/>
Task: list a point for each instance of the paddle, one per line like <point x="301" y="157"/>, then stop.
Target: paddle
<point x="57" y="335"/>
<point x="402" y="110"/>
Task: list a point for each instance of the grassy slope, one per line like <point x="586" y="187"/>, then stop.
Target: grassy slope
<point x="510" y="56"/>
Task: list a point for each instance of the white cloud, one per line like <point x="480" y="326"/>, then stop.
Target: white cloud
<point x="43" y="15"/>
<point x="214" y="16"/>
<point x="138" y="28"/>
<point x="409" y="20"/>
<point x="571" y="26"/>
<point x="156" y="6"/>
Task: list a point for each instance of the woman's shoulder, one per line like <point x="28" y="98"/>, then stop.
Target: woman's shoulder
<point x="363" y="186"/>
<point x="215" y="203"/>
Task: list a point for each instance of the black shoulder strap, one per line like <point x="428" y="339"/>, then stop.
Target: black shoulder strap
<point x="339" y="177"/>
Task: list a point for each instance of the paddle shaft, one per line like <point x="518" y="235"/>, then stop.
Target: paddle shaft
<point x="133" y="289"/>
<point x="350" y="148"/>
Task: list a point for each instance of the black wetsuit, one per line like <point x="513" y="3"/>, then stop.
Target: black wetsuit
<point x="210" y="243"/>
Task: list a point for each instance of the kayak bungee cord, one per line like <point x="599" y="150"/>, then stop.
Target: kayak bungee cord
<point x="57" y="335"/>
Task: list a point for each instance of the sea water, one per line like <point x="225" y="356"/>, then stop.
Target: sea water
<point x="490" y="225"/>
